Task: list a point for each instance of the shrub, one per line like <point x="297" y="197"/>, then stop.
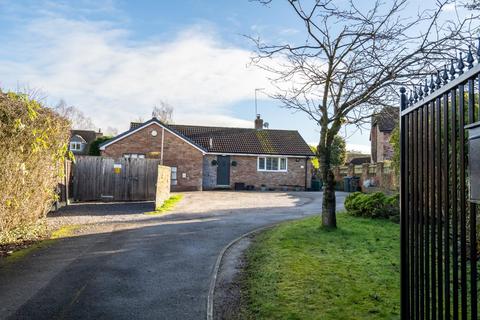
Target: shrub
<point x="372" y="205"/>
<point x="95" y="146"/>
<point x="33" y="141"/>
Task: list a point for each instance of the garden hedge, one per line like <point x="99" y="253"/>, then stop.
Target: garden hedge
<point x="34" y="144"/>
<point x="373" y="205"/>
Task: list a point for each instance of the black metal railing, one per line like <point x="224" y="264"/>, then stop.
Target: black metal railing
<point x="439" y="240"/>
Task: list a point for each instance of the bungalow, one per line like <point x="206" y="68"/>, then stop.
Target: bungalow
<point x="204" y="158"/>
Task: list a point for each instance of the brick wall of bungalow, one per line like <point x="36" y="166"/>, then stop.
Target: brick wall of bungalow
<point x="176" y="153"/>
<point x="196" y="172"/>
<point x="246" y="172"/>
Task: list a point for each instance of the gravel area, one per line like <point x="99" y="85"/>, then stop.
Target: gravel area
<point x="193" y="205"/>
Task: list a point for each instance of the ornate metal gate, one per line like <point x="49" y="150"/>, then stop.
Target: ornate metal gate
<point x="439" y="247"/>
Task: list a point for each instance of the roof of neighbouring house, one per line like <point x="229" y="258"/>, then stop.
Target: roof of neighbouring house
<point x="386" y="119"/>
<point x="360" y="160"/>
<point x="233" y="140"/>
<point x="87" y="135"/>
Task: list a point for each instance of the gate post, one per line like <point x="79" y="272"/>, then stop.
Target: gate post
<point x="404" y="274"/>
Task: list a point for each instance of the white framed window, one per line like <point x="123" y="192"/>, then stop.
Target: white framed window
<point x="75" y="146"/>
<point x="173" y="177"/>
<point x="273" y="164"/>
<point x="134" y="155"/>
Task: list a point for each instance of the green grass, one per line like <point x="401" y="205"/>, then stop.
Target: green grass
<point x="299" y="270"/>
<point x="167" y="205"/>
<point x="63" y="232"/>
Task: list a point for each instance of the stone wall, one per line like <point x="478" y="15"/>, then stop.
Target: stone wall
<point x="176" y="153"/>
<point x="163" y="185"/>
<point x="380" y="175"/>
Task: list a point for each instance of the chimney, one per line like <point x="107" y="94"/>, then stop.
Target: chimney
<point x="258" y="123"/>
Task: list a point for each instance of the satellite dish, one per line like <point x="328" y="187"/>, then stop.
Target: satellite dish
<point x="265" y="125"/>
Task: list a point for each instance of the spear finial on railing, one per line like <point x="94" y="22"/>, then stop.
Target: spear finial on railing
<point x="452" y="70"/>
<point x="432" y="83"/>
<point x="470" y="59"/>
<point x="460" y="65"/>
<point x="415" y="94"/>
<point x="410" y="98"/>
<point x="438" y="81"/>
<point x="445" y="74"/>
<point x="425" y="88"/>
<point x="420" y="92"/>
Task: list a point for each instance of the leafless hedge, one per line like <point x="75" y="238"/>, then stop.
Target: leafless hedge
<point x="33" y="144"/>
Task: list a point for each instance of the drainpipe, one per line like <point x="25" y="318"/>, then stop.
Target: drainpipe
<point x="161" y="150"/>
<point x="306" y="173"/>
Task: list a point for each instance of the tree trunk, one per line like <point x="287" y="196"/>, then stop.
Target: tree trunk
<point x="329" y="218"/>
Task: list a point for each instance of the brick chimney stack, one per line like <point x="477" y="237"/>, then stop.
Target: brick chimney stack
<point x="258" y="123"/>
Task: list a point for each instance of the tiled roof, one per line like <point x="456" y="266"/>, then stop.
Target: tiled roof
<point x="360" y="160"/>
<point x="234" y="140"/>
<point x="243" y="140"/>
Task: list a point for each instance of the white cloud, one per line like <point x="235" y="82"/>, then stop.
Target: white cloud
<point x="98" y="68"/>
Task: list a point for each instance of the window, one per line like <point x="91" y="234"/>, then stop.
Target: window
<point x="272" y="164"/>
<point x="173" y="177"/>
<point x="75" y="146"/>
<point x="134" y="155"/>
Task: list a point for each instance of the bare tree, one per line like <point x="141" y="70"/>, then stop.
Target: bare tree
<point x="111" y="131"/>
<point x="351" y="62"/>
<point x="76" y="117"/>
<point x="163" y="112"/>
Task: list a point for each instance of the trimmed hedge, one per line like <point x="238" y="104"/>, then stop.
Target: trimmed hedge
<point x="34" y="143"/>
<point x="373" y="205"/>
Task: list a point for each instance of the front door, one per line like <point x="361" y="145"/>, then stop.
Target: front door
<point x="223" y="170"/>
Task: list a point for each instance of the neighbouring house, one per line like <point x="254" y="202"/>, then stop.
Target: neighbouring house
<point x="383" y="124"/>
<point x="80" y="140"/>
<point x="203" y="158"/>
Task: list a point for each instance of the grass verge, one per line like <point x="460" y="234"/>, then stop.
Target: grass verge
<point x="299" y="270"/>
<point x="167" y="205"/>
<point x="63" y="232"/>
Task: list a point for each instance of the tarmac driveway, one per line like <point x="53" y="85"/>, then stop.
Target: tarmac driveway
<point x="133" y="266"/>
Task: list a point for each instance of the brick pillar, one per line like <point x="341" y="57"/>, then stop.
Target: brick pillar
<point x="364" y="173"/>
<point x="351" y="170"/>
<point x="336" y="173"/>
<point x="379" y="174"/>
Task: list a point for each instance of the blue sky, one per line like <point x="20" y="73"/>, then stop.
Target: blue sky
<point x="115" y="60"/>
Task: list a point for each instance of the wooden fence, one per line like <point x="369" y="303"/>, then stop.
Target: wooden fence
<point x="101" y="178"/>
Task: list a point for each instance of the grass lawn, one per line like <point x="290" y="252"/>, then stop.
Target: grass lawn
<point x="299" y="270"/>
<point x="167" y="205"/>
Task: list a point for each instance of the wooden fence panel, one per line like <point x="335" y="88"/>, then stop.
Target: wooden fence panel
<point x="94" y="178"/>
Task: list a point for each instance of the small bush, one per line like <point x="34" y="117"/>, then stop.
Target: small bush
<point x="372" y="205"/>
<point x="33" y="141"/>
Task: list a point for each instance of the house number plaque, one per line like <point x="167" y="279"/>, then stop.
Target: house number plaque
<point x="474" y="160"/>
